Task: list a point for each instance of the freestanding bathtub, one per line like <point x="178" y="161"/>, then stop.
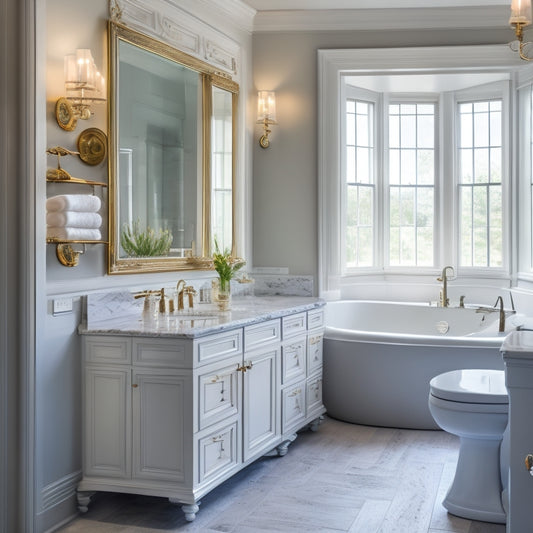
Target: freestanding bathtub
<point x="380" y="356"/>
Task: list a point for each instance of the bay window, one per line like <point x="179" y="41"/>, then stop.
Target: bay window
<point x="421" y="169"/>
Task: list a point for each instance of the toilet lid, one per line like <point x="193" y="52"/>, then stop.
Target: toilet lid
<point x="471" y="386"/>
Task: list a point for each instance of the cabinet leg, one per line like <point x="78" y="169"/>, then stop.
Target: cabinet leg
<point x="190" y="511"/>
<point x="313" y="426"/>
<point x="84" y="499"/>
<point x="284" y="446"/>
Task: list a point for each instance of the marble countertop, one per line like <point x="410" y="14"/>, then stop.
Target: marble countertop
<point x="204" y="319"/>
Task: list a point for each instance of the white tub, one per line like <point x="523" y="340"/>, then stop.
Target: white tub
<point x="380" y="356"/>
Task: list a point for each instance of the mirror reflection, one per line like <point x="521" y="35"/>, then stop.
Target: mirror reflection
<point x="171" y="156"/>
<point x="222" y="168"/>
<point x="158" y="116"/>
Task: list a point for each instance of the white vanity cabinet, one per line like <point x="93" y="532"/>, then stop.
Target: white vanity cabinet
<point x="175" y="416"/>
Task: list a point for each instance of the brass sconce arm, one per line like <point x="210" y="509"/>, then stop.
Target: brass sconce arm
<point x="264" y="141"/>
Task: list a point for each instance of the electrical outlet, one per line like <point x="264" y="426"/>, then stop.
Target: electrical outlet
<point x="62" y="305"/>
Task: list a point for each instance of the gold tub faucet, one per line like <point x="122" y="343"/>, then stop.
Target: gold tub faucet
<point x="444" y="300"/>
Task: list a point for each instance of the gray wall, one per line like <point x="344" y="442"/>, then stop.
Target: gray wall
<point x="67" y="25"/>
<point x="284" y="208"/>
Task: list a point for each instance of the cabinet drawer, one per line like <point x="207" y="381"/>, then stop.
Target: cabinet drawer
<point x="217" y="453"/>
<point x="160" y="352"/>
<point x="315" y="319"/>
<point x="220" y="346"/>
<point x="314" y="352"/>
<point x="314" y="396"/>
<point x="258" y="335"/>
<point x="292" y="406"/>
<point x="218" y="394"/>
<point x="110" y="349"/>
<point x="293" y="360"/>
<point x="294" y="325"/>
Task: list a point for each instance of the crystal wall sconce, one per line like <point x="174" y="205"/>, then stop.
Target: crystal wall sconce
<point x="84" y="86"/>
<point x="266" y="114"/>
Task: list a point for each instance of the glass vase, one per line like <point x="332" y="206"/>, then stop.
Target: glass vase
<point x="224" y="295"/>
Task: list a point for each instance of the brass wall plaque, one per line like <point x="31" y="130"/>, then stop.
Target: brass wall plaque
<point x="92" y="146"/>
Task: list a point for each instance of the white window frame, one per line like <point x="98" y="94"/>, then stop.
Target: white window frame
<point x="402" y="99"/>
<point x="331" y="65"/>
<point x="374" y="98"/>
<point x="490" y="91"/>
<point x="522" y="246"/>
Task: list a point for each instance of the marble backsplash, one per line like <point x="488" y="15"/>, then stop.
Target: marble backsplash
<point x="275" y="285"/>
<point x="104" y="306"/>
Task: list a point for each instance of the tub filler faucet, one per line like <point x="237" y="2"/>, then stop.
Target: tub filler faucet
<point x="502" y="314"/>
<point x="444" y="300"/>
<point x="497" y="308"/>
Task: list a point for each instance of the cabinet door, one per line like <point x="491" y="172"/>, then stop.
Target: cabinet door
<point x="261" y="410"/>
<point x="107" y="429"/>
<point x="162" y="424"/>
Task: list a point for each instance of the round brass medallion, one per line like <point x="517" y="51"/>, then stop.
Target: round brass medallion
<point x="65" y="116"/>
<point x="92" y="146"/>
<point x="67" y="256"/>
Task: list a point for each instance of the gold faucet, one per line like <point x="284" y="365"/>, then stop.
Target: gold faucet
<point x="500" y="310"/>
<point x="190" y="292"/>
<point x="501" y="327"/>
<point x="162" y="302"/>
<point x="180" y="289"/>
<point x="444" y="300"/>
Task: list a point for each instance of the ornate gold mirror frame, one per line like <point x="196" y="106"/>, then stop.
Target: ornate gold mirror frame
<point x="197" y="254"/>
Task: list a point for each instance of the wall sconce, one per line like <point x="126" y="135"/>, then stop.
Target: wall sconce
<point x="84" y="86"/>
<point x="520" y="18"/>
<point x="266" y="114"/>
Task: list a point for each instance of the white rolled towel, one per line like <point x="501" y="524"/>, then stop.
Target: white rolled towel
<point x="73" y="234"/>
<point x="88" y="203"/>
<point x="74" y="219"/>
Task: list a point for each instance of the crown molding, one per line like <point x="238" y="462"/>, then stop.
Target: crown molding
<point x="379" y="19"/>
<point x="226" y="15"/>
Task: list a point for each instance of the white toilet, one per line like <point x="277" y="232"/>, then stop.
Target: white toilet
<point x="473" y="404"/>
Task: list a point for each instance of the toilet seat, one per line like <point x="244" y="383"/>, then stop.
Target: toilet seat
<point x="472" y="386"/>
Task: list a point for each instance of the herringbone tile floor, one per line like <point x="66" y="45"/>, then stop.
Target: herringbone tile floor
<point x="344" y="477"/>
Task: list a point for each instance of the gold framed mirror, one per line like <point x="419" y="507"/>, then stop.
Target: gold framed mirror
<point x="172" y="131"/>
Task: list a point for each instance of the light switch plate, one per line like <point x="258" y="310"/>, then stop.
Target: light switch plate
<point x="62" y="305"/>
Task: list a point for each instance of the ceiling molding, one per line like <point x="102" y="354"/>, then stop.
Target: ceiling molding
<point x="277" y="5"/>
<point x="378" y="19"/>
<point x="222" y="15"/>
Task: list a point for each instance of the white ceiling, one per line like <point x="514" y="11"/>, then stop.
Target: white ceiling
<point x="288" y="5"/>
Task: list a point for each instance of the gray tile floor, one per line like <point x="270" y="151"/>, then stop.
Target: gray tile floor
<point x="343" y="478"/>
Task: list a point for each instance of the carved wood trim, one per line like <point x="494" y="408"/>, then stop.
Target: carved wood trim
<point x="179" y="29"/>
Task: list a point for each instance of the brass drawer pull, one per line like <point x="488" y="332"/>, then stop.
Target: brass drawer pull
<point x="245" y="367"/>
<point x="217" y="378"/>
